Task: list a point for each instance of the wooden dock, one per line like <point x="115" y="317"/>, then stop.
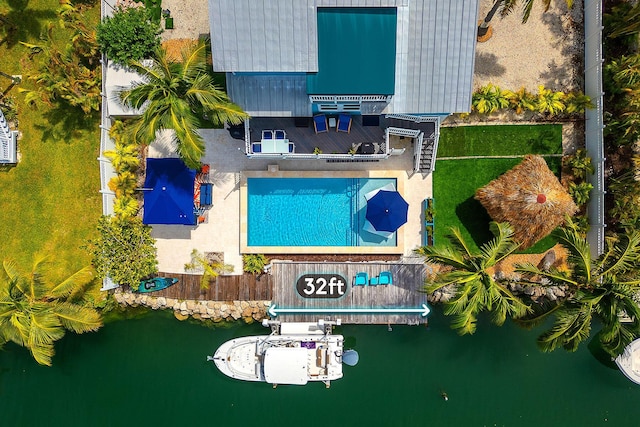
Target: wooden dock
<point x="244" y="287"/>
<point x="408" y="279"/>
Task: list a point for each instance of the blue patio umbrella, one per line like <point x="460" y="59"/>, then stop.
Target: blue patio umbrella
<point x="387" y="210"/>
<point x="168" y="196"/>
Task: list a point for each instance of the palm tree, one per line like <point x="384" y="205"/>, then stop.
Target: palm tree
<point x="176" y="95"/>
<point x="35" y="313"/>
<point x="605" y="288"/>
<point x="475" y="288"/>
<point x="210" y="268"/>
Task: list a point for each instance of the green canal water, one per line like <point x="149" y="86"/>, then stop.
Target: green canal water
<point x="152" y="371"/>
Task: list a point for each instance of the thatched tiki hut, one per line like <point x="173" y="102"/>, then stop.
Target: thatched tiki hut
<point x="530" y="198"/>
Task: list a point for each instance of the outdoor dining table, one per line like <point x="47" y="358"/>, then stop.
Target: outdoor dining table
<point x="271" y="146"/>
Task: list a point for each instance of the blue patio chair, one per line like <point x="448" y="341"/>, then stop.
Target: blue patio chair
<point x="292" y="147"/>
<point x="320" y="123"/>
<point x="385" y="278"/>
<point x="374" y="281"/>
<point x="344" y="123"/>
<point x="280" y="134"/>
<point x="361" y="279"/>
<point x="256" y="147"/>
<point x="267" y="134"/>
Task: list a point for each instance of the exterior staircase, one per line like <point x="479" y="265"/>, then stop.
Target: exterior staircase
<point x="7" y="142"/>
<point x="428" y="154"/>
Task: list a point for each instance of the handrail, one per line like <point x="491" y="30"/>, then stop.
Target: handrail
<point x="349" y="98"/>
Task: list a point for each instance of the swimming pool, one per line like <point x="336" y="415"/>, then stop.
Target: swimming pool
<point x="311" y="212"/>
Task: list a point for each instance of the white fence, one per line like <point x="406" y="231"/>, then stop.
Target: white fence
<point x="594" y="138"/>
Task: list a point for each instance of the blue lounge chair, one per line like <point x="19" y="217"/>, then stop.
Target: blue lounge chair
<point x="267" y="134"/>
<point x="385" y="278"/>
<point x="320" y="123"/>
<point x="280" y="134"/>
<point x="361" y="279"/>
<point x="344" y="123"/>
<point x="256" y="147"/>
<point x="292" y="147"/>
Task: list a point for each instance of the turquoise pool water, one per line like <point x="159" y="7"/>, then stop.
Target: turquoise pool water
<point x="311" y="212"/>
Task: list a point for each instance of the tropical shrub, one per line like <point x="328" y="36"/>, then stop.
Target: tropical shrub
<point x="580" y="192"/>
<point x="209" y="268"/>
<point x="72" y="75"/>
<point x="580" y="164"/>
<point x="254" y="263"/>
<point x="521" y="100"/>
<point x="129" y="35"/>
<point x="550" y="102"/>
<point x="126" y="161"/>
<point x="8" y="107"/>
<point x="489" y="99"/>
<point x="124" y="250"/>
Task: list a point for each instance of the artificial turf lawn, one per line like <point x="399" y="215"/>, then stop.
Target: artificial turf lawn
<point x="500" y="140"/>
<point x="456" y="181"/>
<point x="50" y="201"/>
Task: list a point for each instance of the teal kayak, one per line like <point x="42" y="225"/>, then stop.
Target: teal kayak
<point x="156" y="284"/>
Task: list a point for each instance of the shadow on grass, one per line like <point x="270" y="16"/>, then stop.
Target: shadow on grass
<point x="28" y="23"/>
<point x="65" y="123"/>
<point x="475" y="220"/>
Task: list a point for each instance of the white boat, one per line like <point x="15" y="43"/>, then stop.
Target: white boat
<point x="294" y="353"/>
<point x="629" y="361"/>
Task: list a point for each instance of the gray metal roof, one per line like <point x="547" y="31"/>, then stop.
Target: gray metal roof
<point x="435" y="50"/>
<point x="258" y="36"/>
<point x="270" y="95"/>
<point x="435" y="56"/>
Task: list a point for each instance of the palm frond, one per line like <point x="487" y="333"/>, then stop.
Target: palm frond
<point x="77" y="318"/>
<point x="552" y="274"/>
<point x="464" y="323"/>
<point x="458" y="242"/>
<point x="501" y="246"/>
<point x="627" y="252"/>
<point x="445" y="255"/>
<point x="45" y="328"/>
<point x="579" y="252"/>
<point x="572" y="326"/>
<point x="78" y="280"/>
<point x="537" y="314"/>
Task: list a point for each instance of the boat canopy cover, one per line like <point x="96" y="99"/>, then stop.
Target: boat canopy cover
<point x="286" y="365"/>
<point x="300" y="328"/>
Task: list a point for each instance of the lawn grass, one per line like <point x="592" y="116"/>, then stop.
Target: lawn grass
<point x="455" y="181"/>
<point x="500" y="140"/>
<point x="50" y="201"/>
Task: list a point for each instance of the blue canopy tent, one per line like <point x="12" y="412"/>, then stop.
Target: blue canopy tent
<point x="387" y="210"/>
<point x="168" y="196"/>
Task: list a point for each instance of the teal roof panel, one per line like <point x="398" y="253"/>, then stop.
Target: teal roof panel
<point x="356" y="52"/>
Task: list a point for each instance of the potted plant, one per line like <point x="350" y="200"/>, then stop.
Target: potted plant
<point x="429" y="212"/>
<point x="429" y="230"/>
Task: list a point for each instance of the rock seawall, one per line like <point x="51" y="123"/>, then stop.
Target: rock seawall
<point x="218" y="311"/>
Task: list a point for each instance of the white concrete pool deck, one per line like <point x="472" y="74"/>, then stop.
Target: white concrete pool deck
<point x="222" y="230"/>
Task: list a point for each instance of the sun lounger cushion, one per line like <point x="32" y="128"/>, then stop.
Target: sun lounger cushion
<point x="361" y="279"/>
<point x="320" y="123"/>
